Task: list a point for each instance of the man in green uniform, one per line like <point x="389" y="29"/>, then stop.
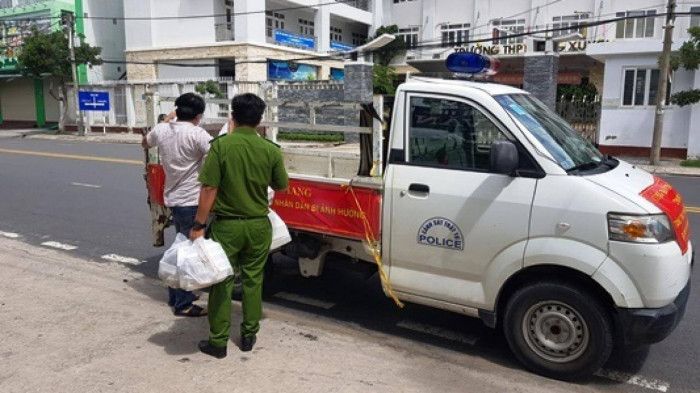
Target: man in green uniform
<point x="235" y="176"/>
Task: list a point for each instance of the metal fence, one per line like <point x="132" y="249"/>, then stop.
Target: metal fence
<point x="127" y="109"/>
<point x="583" y="113"/>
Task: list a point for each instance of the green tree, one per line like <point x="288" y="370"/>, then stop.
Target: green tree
<point x="209" y="87"/>
<point x="385" y="54"/>
<point x="46" y="55"/>
<point x="688" y="57"/>
<point x="383" y="78"/>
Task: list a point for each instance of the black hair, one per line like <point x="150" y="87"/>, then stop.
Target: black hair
<point x="161" y="117"/>
<point x="188" y="106"/>
<point x="247" y="109"/>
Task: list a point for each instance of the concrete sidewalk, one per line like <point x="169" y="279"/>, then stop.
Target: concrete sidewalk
<point x="73" y="325"/>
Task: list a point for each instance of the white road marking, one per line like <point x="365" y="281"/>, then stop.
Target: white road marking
<point x="292" y="297"/>
<point x="637" y="380"/>
<point x="437" y="331"/>
<point x="60" y="246"/>
<point x="121" y="259"/>
<point x="9" y="235"/>
<point x="85" y="185"/>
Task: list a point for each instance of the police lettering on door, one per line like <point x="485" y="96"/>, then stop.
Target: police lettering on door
<point x="441" y="232"/>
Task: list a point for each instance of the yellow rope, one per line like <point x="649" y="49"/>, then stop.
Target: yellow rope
<point x="372" y="243"/>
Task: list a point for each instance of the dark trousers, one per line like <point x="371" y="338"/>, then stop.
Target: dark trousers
<point x="183" y="218"/>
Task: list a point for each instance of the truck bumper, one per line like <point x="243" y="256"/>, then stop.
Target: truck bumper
<point x="639" y="326"/>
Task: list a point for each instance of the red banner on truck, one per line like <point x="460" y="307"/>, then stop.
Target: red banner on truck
<point x="666" y="198"/>
<point x="329" y="208"/>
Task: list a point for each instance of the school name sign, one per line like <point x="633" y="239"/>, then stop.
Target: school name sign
<point x="566" y="47"/>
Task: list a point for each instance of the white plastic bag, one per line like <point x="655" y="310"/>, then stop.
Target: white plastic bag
<point x="280" y="233"/>
<point x="167" y="267"/>
<point x="201" y="264"/>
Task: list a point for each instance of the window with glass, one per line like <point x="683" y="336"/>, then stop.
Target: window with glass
<point x="567" y="147"/>
<point x="695" y="19"/>
<point x="570" y="24"/>
<point x="454" y="34"/>
<point x="409" y="35"/>
<point x="639" y="24"/>
<point x="502" y="28"/>
<point x="358" y="39"/>
<point x="640" y="86"/>
<point x="450" y="134"/>
<point x="336" y="34"/>
<point x="306" y="27"/>
<point x="273" y="21"/>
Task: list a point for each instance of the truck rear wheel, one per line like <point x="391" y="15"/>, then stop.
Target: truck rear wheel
<point x="558" y="330"/>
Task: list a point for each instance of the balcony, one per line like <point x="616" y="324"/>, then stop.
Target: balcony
<point x="224" y="32"/>
<point x="19" y="3"/>
<point x="361" y="4"/>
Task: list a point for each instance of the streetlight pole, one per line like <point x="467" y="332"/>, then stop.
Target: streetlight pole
<point x="69" y="26"/>
<point x="662" y="89"/>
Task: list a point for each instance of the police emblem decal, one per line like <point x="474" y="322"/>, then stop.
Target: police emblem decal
<point x="441" y="232"/>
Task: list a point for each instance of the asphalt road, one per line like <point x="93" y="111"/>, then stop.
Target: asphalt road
<point x="99" y="208"/>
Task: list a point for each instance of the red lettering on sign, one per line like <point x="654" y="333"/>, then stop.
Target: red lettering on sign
<point x="329" y="208"/>
<point x="666" y="198"/>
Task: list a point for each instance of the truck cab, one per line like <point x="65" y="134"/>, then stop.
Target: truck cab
<point x="495" y="207"/>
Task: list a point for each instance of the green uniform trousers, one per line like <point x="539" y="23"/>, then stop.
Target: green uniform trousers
<point x="247" y="244"/>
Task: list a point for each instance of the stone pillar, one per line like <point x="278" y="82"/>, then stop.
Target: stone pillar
<point x="357" y="86"/>
<point x="358" y="82"/>
<point x="540" y="77"/>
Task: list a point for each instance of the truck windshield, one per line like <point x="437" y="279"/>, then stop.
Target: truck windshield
<point x="567" y="147"/>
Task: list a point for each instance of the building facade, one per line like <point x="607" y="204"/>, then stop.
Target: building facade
<point x="27" y="102"/>
<point x="619" y="59"/>
<point x="247" y="40"/>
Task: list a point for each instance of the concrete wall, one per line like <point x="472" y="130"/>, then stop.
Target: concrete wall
<point x="694" y="131"/>
<point x="177" y="72"/>
<point x="51" y="105"/>
<point x="244" y="71"/>
<point x="172" y="32"/>
<point x="107" y="34"/>
<point x="633" y="126"/>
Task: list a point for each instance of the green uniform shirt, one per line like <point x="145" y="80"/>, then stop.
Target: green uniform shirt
<point x="241" y="165"/>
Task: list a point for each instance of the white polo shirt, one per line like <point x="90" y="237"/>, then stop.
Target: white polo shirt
<point x="182" y="147"/>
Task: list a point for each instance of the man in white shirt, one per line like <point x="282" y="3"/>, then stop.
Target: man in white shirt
<point x="182" y="146"/>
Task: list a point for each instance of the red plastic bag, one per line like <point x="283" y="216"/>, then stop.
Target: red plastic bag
<point x="155" y="179"/>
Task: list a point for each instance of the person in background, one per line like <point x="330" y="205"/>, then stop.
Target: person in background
<point x="235" y="176"/>
<point x="182" y="146"/>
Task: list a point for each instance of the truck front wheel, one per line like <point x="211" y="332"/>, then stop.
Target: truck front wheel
<point x="558" y="330"/>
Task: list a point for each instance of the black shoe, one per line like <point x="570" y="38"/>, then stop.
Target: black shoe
<point x="247" y="343"/>
<point x="217" y="352"/>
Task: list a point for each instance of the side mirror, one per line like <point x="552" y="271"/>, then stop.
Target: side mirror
<point x="504" y="157"/>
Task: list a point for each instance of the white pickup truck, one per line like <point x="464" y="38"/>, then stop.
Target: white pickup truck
<point x="491" y="205"/>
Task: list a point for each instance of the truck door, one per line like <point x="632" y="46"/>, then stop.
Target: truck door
<point x="450" y="217"/>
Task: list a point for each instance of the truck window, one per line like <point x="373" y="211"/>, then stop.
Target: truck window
<point x="450" y="134"/>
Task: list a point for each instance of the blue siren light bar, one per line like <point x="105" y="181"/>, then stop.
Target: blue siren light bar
<point x="471" y="63"/>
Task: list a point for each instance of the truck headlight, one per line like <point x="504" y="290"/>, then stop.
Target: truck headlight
<point x="654" y="228"/>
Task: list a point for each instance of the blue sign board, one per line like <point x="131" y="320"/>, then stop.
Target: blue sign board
<point x="280" y="70"/>
<point x="340" y="47"/>
<point x="295" y="40"/>
<point x="94" y="101"/>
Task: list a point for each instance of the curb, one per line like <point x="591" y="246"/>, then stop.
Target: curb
<point x="88" y="138"/>
<point x="672" y="171"/>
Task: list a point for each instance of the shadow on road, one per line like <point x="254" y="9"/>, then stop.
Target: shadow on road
<point x="355" y="300"/>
